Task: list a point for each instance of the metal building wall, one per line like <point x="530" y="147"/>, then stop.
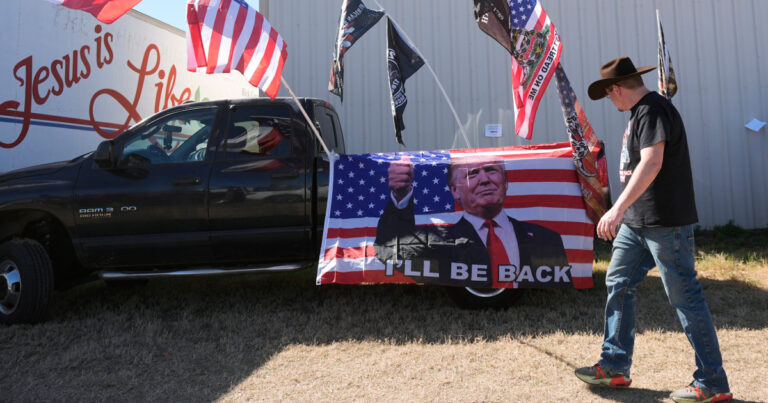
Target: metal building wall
<point x="719" y="51"/>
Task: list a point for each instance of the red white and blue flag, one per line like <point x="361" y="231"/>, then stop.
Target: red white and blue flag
<point x="106" y="11"/>
<point x="542" y="188"/>
<point x="667" y="80"/>
<point x="227" y="35"/>
<point x="585" y="145"/>
<point x="536" y="53"/>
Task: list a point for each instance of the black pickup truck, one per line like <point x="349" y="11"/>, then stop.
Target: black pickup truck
<point x="232" y="186"/>
<point x="224" y="187"/>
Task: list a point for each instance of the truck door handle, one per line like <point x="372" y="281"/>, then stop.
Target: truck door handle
<point x="190" y="180"/>
<point x="285" y="175"/>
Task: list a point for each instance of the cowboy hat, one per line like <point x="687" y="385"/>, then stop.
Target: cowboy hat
<point x="612" y="72"/>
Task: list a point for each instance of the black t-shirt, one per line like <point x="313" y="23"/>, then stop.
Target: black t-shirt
<point x="669" y="199"/>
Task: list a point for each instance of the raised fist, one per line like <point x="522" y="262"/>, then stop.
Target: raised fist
<point x="401" y="178"/>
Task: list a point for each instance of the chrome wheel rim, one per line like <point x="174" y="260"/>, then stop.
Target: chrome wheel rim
<point x="484" y="292"/>
<point x="10" y="287"/>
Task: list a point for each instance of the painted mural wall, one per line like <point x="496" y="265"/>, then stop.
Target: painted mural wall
<point x="68" y="81"/>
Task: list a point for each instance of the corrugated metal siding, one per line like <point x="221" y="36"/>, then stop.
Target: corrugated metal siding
<point x="719" y="50"/>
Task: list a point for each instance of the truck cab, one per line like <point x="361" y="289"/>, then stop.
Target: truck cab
<point x="201" y="188"/>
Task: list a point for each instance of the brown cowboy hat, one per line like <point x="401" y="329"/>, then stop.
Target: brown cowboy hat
<point x="613" y="72"/>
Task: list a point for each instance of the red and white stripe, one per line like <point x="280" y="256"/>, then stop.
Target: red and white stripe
<point x="106" y="11"/>
<point x="543" y="188"/>
<point x="225" y="36"/>
<point x="525" y="109"/>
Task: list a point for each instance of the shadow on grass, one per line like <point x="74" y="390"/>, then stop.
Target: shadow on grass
<point x="637" y="394"/>
<point x="194" y="339"/>
<point x="737" y="243"/>
<point x="630" y="395"/>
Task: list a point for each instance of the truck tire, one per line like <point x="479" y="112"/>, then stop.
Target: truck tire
<point x="481" y="298"/>
<point x="26" y="282"/>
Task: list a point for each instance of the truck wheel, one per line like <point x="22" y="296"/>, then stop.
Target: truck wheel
<point x="26" y="281"/>
<point x="479" y="298"/>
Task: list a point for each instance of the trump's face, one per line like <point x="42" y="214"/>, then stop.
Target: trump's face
<point x="479" y="185"/>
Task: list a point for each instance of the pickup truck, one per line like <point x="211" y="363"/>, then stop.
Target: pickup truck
<point x="232" y="186"/>
<point x="222" y="187"/>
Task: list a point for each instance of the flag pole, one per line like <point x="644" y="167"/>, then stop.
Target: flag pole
<point x="437" y="80"/>
<point x="309" y="121"/>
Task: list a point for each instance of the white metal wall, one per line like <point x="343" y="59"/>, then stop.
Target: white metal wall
<point x="719" y="50"/>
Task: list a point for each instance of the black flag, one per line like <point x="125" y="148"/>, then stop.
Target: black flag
<point x="356" y="19"/>
<point x="402" y="62"/>
<point x="492" y="17"/>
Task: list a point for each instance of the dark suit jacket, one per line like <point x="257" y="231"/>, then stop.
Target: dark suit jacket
<point x="398" y="237"/>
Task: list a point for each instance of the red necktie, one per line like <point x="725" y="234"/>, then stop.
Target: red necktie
<point x="496" y="250"/>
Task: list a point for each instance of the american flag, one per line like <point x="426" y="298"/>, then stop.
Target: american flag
<point x="584" y="144"/>
<point x="537" y="52"/>
<point x="106" y="11"/>
<point x="543" y="188"/>
<point x="227" y="35"/>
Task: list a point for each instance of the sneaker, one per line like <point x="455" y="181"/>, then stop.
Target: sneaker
<point x="692" y="394"/>
<point x="595" y="375"/>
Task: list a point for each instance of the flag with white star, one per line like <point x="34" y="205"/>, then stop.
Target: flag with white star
<point x="542" y="188"/>
<point x="584" y="143"/>
<point x="667" y="81"/>
<point x="536" y="52"/>
<point x="361" y="187"/>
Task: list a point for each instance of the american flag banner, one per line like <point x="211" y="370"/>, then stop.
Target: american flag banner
<point x="537" y="52"/>
<point x="667" y="81"/>
<point x="541" y="195"/>
<point x="227" y="35"/>
<point x="585" y="145"/>
<point x="106" y="11"/>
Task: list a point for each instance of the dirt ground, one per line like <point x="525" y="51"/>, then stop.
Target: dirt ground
<point x="281" y="338"/>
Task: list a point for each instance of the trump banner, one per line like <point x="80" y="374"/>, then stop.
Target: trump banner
<point x="507" y="217"/>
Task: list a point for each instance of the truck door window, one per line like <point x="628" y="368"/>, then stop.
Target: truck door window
<point x="252" y="136"/>
<point x="327" y="129"/>
<point x="174" y="138"/>
<point x="338" y="133"/>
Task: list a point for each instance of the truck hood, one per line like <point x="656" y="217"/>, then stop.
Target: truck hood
<point x="39" y="170"/>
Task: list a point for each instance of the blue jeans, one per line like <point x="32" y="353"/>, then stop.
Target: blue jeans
<point x="671" y="249"/>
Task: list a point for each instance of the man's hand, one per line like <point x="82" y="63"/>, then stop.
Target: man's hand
<point x="401" y="178"/>
<point x="651" y="159"/>
<point x="609" y="223"/>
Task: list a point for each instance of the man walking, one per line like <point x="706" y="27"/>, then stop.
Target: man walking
<point x="651" y="224"/>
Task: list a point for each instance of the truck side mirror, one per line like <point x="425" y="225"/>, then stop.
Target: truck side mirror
<point x="103" y="156"/>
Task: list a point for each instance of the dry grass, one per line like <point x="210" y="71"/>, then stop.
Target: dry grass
<point x="276" y="338"/>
